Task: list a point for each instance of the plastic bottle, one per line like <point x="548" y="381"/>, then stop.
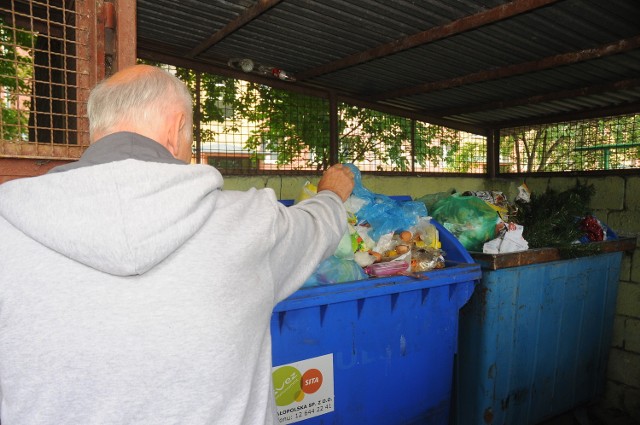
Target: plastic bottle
<point x="283" y="75"/>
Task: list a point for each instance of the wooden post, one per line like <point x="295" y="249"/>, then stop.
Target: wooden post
<point x="125" y="33"/>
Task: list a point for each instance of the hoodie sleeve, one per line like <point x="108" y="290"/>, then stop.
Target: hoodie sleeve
<point x="305" y="234"/>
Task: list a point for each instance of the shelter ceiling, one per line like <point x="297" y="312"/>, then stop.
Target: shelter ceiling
<point x="471" y="65"/>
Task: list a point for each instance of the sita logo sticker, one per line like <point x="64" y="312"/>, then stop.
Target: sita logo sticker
<point x="289" y="385"/>
<point x="304" y="389"/>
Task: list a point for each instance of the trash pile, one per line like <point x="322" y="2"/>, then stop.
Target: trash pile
<point x="388" y="237"/>
<point x="385" y="237"/>
<point x="563" y="220"/>
<point x="485" y="221"/>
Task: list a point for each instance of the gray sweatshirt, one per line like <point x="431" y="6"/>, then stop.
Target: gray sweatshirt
<point x="136" y="291"/>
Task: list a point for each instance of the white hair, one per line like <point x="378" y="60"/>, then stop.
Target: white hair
<point x="143" y="99"/>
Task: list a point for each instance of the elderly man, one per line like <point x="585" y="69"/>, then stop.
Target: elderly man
<point x="133" y="289"/>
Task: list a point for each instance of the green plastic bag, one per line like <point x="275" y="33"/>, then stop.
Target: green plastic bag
<point x="470" y="219"/>
<point x="431" y="199"/>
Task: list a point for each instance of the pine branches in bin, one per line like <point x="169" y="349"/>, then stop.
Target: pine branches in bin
<point x="556" y="219"/>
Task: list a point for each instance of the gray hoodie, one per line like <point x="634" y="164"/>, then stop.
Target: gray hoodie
<point x="136" y="291"/>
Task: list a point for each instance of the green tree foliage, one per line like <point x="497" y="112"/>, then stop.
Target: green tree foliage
<point x="367" y="135"/>
<point x="16" y="71"/>
<point x="295" y="127"/>
<point x="465" y="157"/>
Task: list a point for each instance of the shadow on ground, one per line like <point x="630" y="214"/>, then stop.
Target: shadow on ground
<point x="594" y="414"/>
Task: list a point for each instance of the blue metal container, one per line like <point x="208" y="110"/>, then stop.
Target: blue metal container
<point x="534" y="339"/>
<point x="378" y="351"/>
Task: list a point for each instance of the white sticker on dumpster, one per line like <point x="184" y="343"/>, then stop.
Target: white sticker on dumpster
<point x="304" y="389"/>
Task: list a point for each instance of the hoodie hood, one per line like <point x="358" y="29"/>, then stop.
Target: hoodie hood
<point x="121" y="217"/>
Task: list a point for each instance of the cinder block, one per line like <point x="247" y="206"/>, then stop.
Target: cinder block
<point x="560" y="184"/>
<point x="617" y="339"/>
<point x="635" y="266"/>
<point x="624" y="368"/>
<point x="628" y="303"/>
<point x="613" y="397"/>
<point x="625" y="267"/>
<point x="622" y="398"/>
<point x="632" y="335"/>
<point x="632" y="200"/>
<point x="290" y="187"/>
<point x="632" y="403"/>
<point x="624" y="222"/>
<point x="609" y="192"/>
<point x="537" y="185"/>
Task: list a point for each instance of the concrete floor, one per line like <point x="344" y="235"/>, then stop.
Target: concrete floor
<point x="592" y="415"/>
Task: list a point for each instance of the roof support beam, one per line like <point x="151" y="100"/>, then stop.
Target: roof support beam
<point x="516" y="69"/>
<point x="125" y="33"/>
<point x="541" y="98"/>
<point x="459" y="26"/>
<point x="334" y="142"/>
<point x="493" y="153"/>
<point x="244" y="18"/>
<point x="161" y="55"/>
<point x="393" y="110"/>
<point x="623" y="109"/>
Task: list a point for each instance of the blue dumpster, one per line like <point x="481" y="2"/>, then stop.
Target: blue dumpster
<point x="535" y="336"/>
<point x="377" y="351"/>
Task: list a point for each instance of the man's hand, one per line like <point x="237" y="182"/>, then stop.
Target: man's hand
<point x="338" y="179"/>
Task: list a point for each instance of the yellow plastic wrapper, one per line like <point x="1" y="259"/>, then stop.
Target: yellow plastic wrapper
<point x="308" y="191"/>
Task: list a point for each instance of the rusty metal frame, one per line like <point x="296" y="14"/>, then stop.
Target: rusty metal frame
<point x="468" y="23"/>
<point x="81" y="47"/>
<point x="515" y="69"/>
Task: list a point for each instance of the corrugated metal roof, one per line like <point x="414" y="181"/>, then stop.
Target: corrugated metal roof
<point x="470" y="64"/>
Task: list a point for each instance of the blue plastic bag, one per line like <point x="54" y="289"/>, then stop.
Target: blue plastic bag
<point x="382" y="213"/>
<point x="335" y="270"/>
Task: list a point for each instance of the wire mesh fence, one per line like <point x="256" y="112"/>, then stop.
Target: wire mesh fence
<point x="247" y="128"/>
<point x="445" y="150"/>
<point x="610" y="143"/>
<point x="43" y="63"/>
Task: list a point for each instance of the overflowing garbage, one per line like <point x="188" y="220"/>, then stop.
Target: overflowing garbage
<point x="385" y="237"/>
<point x="390" y="236"/>
<point x="486" y="221"/>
